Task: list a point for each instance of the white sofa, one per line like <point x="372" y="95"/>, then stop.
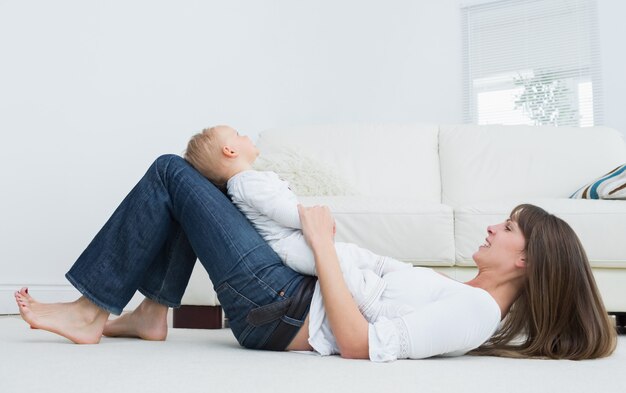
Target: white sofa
<point x="425" y="194"/>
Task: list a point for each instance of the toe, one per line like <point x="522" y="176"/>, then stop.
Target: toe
<point x="24" y="292"/>
<point x="21" y="300"/>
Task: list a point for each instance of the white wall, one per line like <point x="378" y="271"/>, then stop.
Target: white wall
<point x="612" y="34"/>
<point x="92" y="92"/>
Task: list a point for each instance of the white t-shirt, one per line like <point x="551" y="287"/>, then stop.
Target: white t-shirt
<point x="438" y="316"/>
<point x="416" y="312"/>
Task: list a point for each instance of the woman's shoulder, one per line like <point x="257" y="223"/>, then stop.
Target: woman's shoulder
<point x="430" y="285"/>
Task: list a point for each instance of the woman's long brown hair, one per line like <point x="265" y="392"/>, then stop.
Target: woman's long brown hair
<point x="559" y="313"/>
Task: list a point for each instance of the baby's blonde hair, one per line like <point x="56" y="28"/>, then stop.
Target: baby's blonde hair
<point x="204" y="152"/>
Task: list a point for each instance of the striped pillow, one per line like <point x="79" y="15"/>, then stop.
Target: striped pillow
<point x="610" y="186"/>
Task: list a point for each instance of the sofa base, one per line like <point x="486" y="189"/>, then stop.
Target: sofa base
<point x="210" y="317"/>
<point x="198" y="317"/>
<point x="620" y="322"/>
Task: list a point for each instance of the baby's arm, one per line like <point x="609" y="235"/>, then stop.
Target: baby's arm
<point x="270" y="196"/>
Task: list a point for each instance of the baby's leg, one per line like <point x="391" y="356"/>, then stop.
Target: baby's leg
<point x="363" y="271"/>
<point x="364" y="259"/>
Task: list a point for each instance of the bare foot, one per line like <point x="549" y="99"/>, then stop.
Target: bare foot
<point x="81" y="321"/>
<point x="36" y="306"/>
<point x="24" y="292"/>
<point x="148" y="322"/>
<point x="33" y="302"/>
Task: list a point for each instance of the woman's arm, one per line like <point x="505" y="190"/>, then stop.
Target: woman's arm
<point x="346" y="321"/>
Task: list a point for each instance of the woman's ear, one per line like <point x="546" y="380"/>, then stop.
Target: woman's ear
<point x="521" y="261"/>
<point x="228" y="152"/>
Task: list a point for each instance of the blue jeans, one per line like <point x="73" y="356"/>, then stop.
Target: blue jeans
<point x="151" y="241"/>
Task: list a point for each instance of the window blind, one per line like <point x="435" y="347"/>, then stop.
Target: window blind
<point x="532" y="62"/>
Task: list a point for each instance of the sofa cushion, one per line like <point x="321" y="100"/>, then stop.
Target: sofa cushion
<point x="377" y="160"/>
<point x="609" y="186"/>
<point x="403" y="228"/>
<point x="482" y="163"/>
<point x="600" y="225"/>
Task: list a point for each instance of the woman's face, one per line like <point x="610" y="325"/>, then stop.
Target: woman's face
<point x="504" y="244"/>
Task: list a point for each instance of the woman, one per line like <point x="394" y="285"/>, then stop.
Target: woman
<point x="531" y="267"/>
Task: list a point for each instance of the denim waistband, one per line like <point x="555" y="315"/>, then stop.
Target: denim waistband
<point x="297" y="308"/>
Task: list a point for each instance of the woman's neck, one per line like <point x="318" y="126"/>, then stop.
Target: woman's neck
<point x="503" y="290"/>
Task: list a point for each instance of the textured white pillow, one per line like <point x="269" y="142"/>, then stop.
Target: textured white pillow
<point x="306" y="176"/>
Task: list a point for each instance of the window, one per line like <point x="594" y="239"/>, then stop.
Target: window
<point x="532" y="62"/>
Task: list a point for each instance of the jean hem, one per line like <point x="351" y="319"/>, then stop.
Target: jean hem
<point x="91" y="297"/>
<point x="158" y="299"/>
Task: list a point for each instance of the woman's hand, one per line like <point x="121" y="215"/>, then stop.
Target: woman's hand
<point x="348" y="325"/>
<point x="318" y="225"/>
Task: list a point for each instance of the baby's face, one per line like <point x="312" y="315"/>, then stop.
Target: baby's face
<point x="241" y="144"/>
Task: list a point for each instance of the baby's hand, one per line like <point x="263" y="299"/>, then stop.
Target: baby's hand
<point x="318" y="225"/>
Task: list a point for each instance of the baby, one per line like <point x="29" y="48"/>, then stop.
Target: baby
<point x="225" y="158"/>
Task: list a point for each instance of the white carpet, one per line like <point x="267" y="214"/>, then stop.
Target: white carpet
<point x="212" y="361"/>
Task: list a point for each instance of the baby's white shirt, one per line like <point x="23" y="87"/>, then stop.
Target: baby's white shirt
<point x="267" y="202"/>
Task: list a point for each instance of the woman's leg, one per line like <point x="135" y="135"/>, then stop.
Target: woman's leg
<point x="163" y="288"/>
<point x="127" y="253"/>
<point x="245" y="271"/>
<point x="141" y="246"/>
<point x="80" y="321"/>
<point x="163" y="285"/>
<point x="138" y="241"/>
